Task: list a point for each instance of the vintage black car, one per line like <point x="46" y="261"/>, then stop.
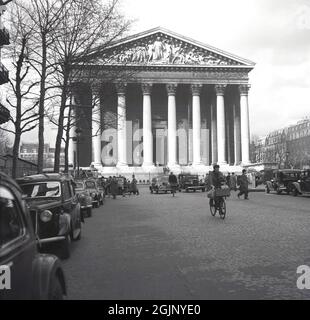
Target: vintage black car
<point x="54" y="209"/>
<point x="85" y="199"/>
<point x="190" y="182"/>
<point x="282" y="180"/>
<point x="95" y="192"/>
<point x="29" y="274"/>
<point x="160" y="184"/>
<point x="302" y="186"/>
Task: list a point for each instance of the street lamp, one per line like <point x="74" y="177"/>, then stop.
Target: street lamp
<point x="78" y="132"/>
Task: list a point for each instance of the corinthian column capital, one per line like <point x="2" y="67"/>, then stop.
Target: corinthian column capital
<point x="171" y="88"/>
<point x="244" y="89"/>
<point x="146" y="88"/>
<point x="196" y="89"/>
<point x="121" y="88"/>
<point x="220" y="89"/>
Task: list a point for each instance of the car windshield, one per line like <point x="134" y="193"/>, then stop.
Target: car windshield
<point x="79" y="185"/>
<point x="42" y="189"/>
<point x="90" y="185"/>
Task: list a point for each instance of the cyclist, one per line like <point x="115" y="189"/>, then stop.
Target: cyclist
<point x="216" y="180"/>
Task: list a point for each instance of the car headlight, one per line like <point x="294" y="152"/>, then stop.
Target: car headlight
<point x="46" y="216"/>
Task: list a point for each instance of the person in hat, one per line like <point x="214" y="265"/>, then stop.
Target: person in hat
<point x="244" y="185"/>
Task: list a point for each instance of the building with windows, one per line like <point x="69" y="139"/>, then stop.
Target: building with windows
<point x="287" y="147"/>
<point x="29" y="152"/>
<point x="160" y="99"/>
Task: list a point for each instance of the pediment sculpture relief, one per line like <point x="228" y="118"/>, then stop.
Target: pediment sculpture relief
<point x="165" y="51"/>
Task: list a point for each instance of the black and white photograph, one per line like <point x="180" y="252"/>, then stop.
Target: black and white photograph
<point x="154" y="151"/>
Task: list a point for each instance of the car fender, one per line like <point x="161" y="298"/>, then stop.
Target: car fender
<point x="45" y="267"/>
<point x="64" y="224"/>
<point x="297" y="186"/>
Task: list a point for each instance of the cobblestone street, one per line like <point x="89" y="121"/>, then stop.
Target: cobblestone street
<point x="160" y="247"/>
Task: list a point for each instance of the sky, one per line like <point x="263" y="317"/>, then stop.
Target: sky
<point x="275" y="34"/>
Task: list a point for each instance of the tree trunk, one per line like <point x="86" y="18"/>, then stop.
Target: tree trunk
<point x="60" y="122"/>
<point x="15" y="154"/>
<point x="41" y="107"/>
<point x="67" y="141"/>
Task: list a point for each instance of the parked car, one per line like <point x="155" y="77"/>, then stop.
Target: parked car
<point x="160" y="184"/>
<point x="282" y="180"/>
<point x="92" y="187"/>
<point x="54" y="209"/>
<point x="32" y="275"/>
<point x="302" y="186"/>
<point x="85" y="199"/>
<point x="190" y="182"/>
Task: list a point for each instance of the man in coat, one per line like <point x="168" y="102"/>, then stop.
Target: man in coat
<point x="244" y="185"/>
<point x="173" y="181"/>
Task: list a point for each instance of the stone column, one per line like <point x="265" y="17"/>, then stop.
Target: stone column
<point x="96" y="125"/>
<point x="147" y="125"/>
<point x="237" y="135"/>
<point x="196" y="90"/>
<point x="72" y="151"/>
<point x="245" y="127"/>
<point x="213" y="133"/>
<point x="172" y="125"/>
<point x="121" y="125"/>
<point x="220" y="113"/>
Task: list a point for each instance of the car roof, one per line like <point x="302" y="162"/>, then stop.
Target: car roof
<point x="43" y="177"/>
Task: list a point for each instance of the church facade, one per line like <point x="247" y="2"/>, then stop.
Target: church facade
<point x="158" y="99"/>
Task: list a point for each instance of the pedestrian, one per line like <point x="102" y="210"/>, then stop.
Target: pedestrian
<point x="114" y="187"/>
<point x="233" y="182"/>
<point x="125" y="187"/>
<point x="134" y="187"/>
<point x="244" y="185"/>
<point x="108" y="186"/>
<point x="173" y="181"/>
<point x="228" y="180"/>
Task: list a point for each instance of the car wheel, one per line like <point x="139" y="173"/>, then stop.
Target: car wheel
<point x="79" y="236"/>
<point x="152" y="191"/>
<point x="267" y="190"/>
<point x="55" y="289"/>
<point x="64" y="250"/>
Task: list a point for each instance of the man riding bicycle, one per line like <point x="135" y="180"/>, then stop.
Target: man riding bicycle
<point x="216" y="180"/>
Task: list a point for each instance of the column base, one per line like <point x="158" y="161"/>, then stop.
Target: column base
<point x="122" y="164"/>
<point x="245" y="164"/>
<point x="148" y="165"/>
<point x="222" y="163"/>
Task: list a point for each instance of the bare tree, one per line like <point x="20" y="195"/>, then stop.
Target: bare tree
<point x="45" y="17"/>
<point x="86" y="27"/>
<point x="20" y="98"/>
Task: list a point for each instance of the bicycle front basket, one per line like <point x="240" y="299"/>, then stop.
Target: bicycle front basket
<point x="223" y="192"/>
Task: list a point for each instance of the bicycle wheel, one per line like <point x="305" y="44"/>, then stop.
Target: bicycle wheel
<point x="213" y="208"/>
<point x="222" y="209"/>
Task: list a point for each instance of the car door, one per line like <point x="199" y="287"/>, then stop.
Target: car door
<point x="17" y="246"/>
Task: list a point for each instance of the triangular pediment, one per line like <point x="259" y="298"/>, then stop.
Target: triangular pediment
<point x="163" y="47"/>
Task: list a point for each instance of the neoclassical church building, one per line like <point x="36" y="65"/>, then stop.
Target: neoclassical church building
<point x="158" y="99"/>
